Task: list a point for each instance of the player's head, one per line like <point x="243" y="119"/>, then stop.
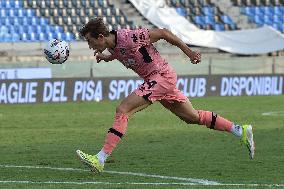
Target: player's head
<point x="95" y="32"/>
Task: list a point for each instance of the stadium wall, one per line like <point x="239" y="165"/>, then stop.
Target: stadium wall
<point x="208" y="66"/>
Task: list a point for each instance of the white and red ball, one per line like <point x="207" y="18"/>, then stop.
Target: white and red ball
<point x="56" y="51"/>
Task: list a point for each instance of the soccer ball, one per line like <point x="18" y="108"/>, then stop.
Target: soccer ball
<point x="56" y="51"/>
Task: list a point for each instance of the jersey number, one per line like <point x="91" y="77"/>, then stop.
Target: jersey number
<point x="146" y="57"/>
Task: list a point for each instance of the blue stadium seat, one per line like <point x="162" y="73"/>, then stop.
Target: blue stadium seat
<point x="3" y="13"/>
<point x="8" y="4"/>
<point x="43" y="21"/>
<point x="33" y="37"/>
<point x="13" y="20"/>
<point x="226" y="19"/>
<point x="279" y="10"/>
<point x="7" y="21"/>
<point x="25" y="21"/>
<point x="34" y="21"/>
<point x="282" y="27"/>
<point x="69" y="36"/>
<point x="259" y="20"/>
<point x="24" y="37"/>
<point x="19" y="29"/>
<point x="277" y="26"/>
<point x="59" y="35"/>
<point x="249" y="11"/>
<point x="277" y="18"/>
<point x="11" y="12"/>
<point x="181" y="11"/>
<point x="22" y="12"/>
<point x="28" y="29"/>
<point x="41" y="37"/>
<point x="268" y="10"/>
<point x="30" y="13"/>
<point x="268" y="20"/>
<point x="15" y="37"/>
<point x="219" y="27"/>
<point x="209" y="20"/>
<point x="199" y="20"/>
<point x="259" y="10"/>
<point x="7" y="37"/>
<point x="49" y="36"/>
<point x="4" y="29"/>
<point x="18" y="4"/>
<point x="58" y="29"/>
<point x="38" y="29"/>
<point x="209" y="11"/>
<point x="2" y="21"/>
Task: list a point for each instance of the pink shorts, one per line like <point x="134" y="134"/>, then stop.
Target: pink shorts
<point x="161" y="86"/>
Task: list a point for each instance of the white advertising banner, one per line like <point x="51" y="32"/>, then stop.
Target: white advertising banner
<point x="247" y="42"/>
<point x="25" y="73"/>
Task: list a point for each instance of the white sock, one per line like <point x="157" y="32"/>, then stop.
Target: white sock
<point x="102" y="156"/>
<point x="237" y="130"/>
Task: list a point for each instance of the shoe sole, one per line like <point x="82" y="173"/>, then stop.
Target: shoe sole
<point x="253" y="144"/>
<point x="87" y="163"/>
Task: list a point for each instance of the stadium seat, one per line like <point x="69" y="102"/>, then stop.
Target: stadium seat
<point x="259" y="20"/>
<point x="209" y="20"/>
<point x="181" y="11"/>
<point x="24" y="37"/>
<point x="226" y="19"/>
<point x="3" y="13"/>
<point x="15" y="37"/>
<point x="49" y="36"/>
<point x="18" y="4"/>
<point x="277" y="18"/>
<point x="268" y="10"/>
<point x="30" y="13"/>
<point x="278" y="10"/>
<point x="258" y="10"/>
<point x="219" y="27"/>
<point x="69" y="36"/>
<point x="41" y="37"/>
<point x="35" y="20"/>
<point x="199" y="20"/>
<point x="208" y="11"/>
<point x="33" y="37"/>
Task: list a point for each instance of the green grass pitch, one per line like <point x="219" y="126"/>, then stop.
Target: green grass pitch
<point x="158" y="150"/>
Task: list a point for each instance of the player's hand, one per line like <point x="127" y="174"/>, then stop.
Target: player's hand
<point x="101" y="56"/>
<point x="195" y="57"/>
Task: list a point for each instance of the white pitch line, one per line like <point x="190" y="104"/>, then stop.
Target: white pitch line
<point x="200" y="181"/>
<point x="275" y="113"/>
<point x="133" y="183"/>
<point x="95" y="183"/>
<point x="191" y="181"/>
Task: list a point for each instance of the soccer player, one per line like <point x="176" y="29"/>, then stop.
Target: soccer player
<point x="135" y="50"/>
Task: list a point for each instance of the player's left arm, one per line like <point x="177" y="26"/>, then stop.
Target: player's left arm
<point x="157" y="34"/>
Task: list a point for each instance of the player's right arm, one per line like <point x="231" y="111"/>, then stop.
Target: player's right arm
<point x="104" y="57"/>
<point x="157" y="34"/>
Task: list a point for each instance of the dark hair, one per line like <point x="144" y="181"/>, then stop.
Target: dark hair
<point x="95" y="27"/>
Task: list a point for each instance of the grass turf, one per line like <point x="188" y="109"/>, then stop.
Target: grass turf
<point x="156" y="142"/>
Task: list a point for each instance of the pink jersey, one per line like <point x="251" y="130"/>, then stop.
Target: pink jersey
<point x="135" y="51"/>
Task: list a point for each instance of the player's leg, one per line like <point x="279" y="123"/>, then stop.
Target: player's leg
<point x="131" y="104"/>
<point x="186" y="112"/>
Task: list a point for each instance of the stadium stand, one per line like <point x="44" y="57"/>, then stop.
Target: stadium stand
<point x="204" y="14"/>
<point x="41" y="20"/>
<point x="263" y="12"/>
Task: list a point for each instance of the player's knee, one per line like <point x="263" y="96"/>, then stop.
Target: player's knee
<point x="192" y="118"/>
